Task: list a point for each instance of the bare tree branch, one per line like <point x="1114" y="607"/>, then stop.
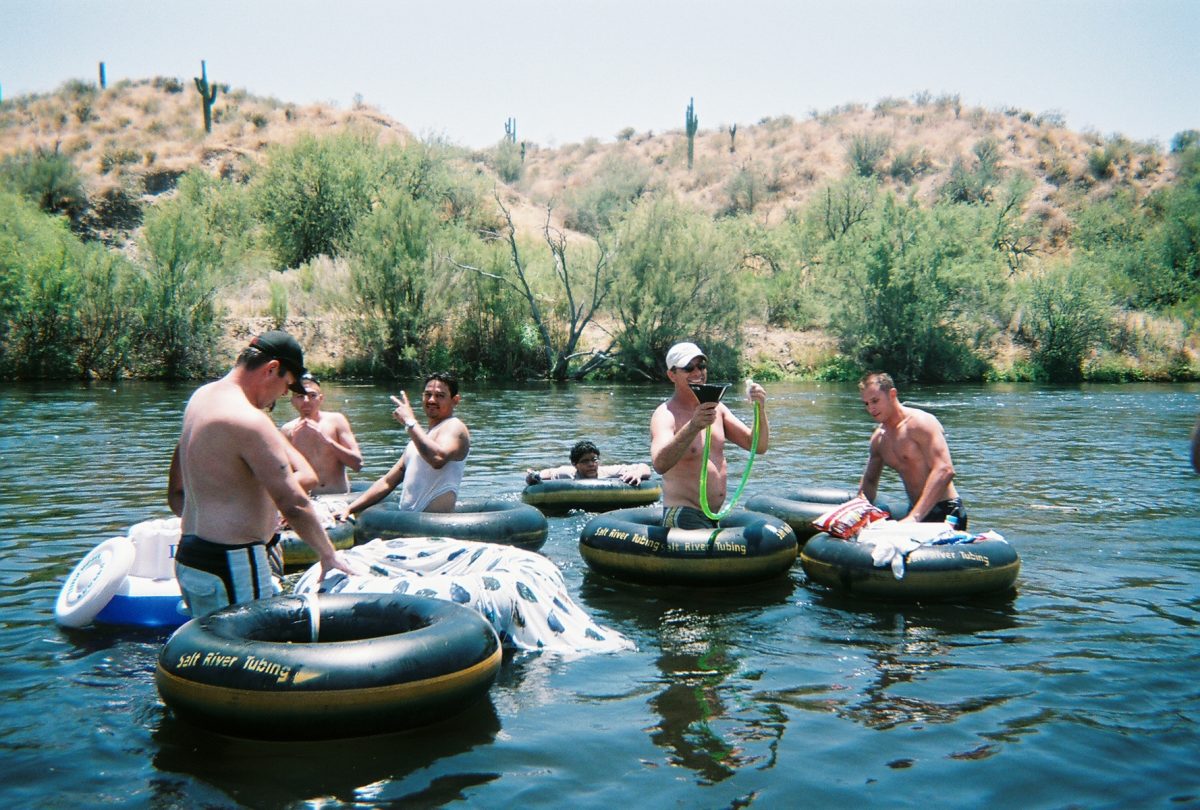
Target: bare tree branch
<point x="578" y="313"/>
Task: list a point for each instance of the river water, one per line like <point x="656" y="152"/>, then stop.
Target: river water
<point x="1081" y="690"/>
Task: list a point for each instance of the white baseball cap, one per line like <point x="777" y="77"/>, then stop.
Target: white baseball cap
<point x="679" y="355"/>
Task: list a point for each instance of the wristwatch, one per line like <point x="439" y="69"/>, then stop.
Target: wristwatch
<point x="410" y="424"/>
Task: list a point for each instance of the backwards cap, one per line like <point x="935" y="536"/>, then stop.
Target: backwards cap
<point x="279" y="345"/>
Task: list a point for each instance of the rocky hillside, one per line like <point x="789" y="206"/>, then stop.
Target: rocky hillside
<point x="912" y="145"/>
<point x="132" y="141"/>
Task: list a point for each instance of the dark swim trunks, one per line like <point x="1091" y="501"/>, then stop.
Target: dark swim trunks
<point x="214" y="575"/>
<point x="686" y="517"/>
<point x="952" y="507"/>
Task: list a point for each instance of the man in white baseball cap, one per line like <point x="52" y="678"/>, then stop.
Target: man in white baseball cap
<point x="677" y="440"/>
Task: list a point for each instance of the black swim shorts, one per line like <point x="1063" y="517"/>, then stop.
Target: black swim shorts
<point x="951" y="507"/>
<point x="214" y="575"/>
<point x="686" y="517"/>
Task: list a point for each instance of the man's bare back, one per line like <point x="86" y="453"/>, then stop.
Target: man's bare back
<point x="233" y="474"/>
<point x="228" y="453"/>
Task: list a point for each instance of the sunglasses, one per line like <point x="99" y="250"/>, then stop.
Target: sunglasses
<point x="697" y="364"/>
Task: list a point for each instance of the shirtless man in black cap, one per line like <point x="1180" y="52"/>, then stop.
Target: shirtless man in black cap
<point x="232" y="476"/>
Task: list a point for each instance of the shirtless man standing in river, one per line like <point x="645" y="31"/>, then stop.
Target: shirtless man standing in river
<point x="912" y="443"/>
<point x="325" y="439"/>
<point x="231" y="477"/>
<point x="677" y="440"/>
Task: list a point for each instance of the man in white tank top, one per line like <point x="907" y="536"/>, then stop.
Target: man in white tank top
<point x="431" y="467"/>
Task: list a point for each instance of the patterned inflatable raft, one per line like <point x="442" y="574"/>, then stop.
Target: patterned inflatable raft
<point x="521" y="593"/>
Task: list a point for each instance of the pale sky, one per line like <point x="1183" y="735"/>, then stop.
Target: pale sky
<point x="572" y="69"/>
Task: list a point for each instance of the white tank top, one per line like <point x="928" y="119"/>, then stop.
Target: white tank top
<point x="422" y="483"/>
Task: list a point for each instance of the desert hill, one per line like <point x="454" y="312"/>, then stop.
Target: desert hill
<point x="131" y="142"/>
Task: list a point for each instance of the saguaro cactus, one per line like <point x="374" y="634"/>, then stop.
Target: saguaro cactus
<point x="510" y="130"/>
<point x="103" y="78"/>
<point x="207" y="95"/>
<point x="692" y="122"/>
<point x="732" y="134"/>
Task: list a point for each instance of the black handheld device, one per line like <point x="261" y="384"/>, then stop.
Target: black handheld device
<point x="709" y="392"/>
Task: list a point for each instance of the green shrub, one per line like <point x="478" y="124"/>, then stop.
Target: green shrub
<point x="399" y="283"/>
<point x="168" y="83"/>
<point x="67" y="310"/>
<point x="744" y="191"/>
<point x="765" y="369"/>
<point x="492" y="337"/>
<point x="1100" y="163"/>
<point x="185" y="268"/>
<point x="965" y="185"/>
<point x="866" y="152"/>
<point x="676" y="281"/>
<point x="225" y="208"/>
<point x="910" y="296"/>
<point x="779" y="261"/>
<point x="1067" y="314"/>
<point x="311" y="194"/>
<point x="277" y="309"/>
<point x="909" y="164"/>
<point x="116" y="157"/>
<point x="39" y="290"/>
<point x="617" y="184"/>
<point x="108" y="322"/>
<point x="47" y="179"/>
<point x="1020" y="371"/>
<point x="839" y="368"/>
<point x="508" y="160"/>
<point x="973" y="184"/>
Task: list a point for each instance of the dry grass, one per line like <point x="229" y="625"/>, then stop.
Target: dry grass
<point x="801" y="157"/>
<point x="139" y="135"/>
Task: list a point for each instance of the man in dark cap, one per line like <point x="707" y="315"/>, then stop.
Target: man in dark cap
<point x="232" y="476"/>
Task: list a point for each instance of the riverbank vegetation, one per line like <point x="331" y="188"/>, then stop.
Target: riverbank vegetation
<point x="937" y="242"/>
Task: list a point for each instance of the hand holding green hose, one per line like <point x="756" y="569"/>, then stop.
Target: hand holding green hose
<point x="745" y="475"/>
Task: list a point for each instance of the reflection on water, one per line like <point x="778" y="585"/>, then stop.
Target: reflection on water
<point x="708" y="719"/>
<point x="1080" y="689"/>
<point x="346" y="770"/>
<point x="902" y="646"/>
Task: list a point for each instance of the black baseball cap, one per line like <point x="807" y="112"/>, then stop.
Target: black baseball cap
<point x="279" y="345"/>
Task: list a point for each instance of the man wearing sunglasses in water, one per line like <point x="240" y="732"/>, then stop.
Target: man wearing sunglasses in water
<point x="677" y="440"/>
<point x="324" y="438"/>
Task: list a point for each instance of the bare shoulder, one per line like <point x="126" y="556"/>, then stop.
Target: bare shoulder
<point x="221" y="403"/>
<point x="877" y="437"/>
<point x="924" y="421"/>
<point x="338" y="419"/>
<point x="663" y="416"/>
